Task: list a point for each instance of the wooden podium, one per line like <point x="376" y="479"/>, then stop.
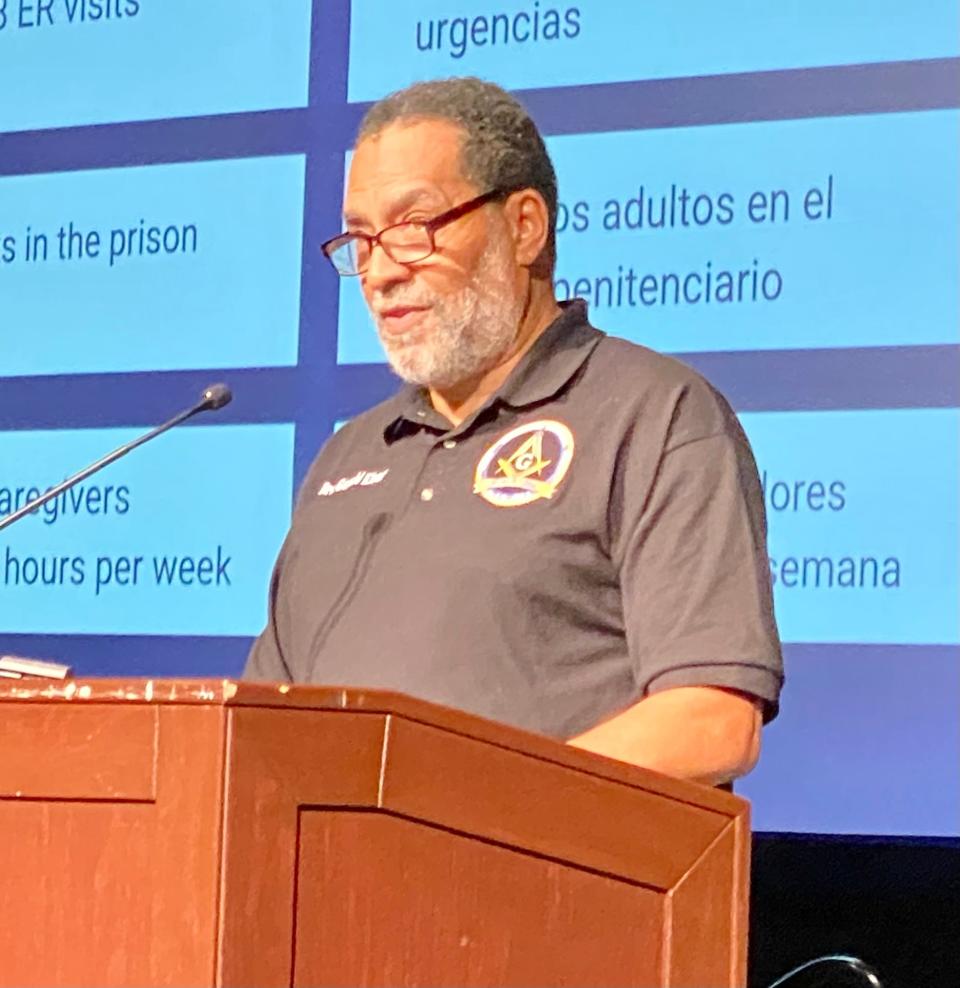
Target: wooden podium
<point x="198" y="832"/>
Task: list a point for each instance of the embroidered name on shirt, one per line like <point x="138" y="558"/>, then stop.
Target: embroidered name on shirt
<point x="363" y="478"/>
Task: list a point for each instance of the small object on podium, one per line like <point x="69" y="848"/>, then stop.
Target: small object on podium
<point x="17" y="667"/>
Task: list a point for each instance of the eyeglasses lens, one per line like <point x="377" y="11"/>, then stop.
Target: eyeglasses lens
<point x="407" y="242"/>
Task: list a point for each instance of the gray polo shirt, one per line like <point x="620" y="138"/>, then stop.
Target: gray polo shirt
<point x="594" y="533"/>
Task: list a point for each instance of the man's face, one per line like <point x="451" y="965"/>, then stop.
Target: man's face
<point x="447" y="319"/>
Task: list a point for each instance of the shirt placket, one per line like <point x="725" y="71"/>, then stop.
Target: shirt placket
<point x="443" y="473"/>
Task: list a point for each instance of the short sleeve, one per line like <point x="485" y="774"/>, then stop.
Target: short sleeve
<point x="694" y="571"/>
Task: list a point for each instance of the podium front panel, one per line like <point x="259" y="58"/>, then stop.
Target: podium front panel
<point x="383" y="900"/>
<point x="230" y="834"/>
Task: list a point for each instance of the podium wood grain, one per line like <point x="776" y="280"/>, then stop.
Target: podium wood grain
<point x="220" y="833"/>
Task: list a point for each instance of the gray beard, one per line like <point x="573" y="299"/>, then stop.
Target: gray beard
<point x="472" y="328"/>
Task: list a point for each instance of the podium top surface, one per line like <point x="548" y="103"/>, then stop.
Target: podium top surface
<point x="210" y="692"/>
<point x="232" y="694"/>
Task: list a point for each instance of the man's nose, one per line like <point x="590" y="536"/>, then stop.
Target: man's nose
<point x="383" y="271"/>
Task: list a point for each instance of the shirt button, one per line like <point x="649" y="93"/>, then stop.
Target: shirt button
<point x="449" y="443"/>
<point x="421" y="414"/>
<point x="426" y="494"/>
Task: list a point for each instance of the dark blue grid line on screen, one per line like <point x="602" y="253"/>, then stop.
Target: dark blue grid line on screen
<point x="766" y="380"/>
<point x="161" y="655"/>
<point x="153" y="142"/>
<point x="697" y="101"/>
<point x="319" y="306"/>
<point x="785" y="94"/>
<point x="329" y="54"/>
<point x="136" y="655"/>
<point x="93" y="401"/>
<point x="841" y="378"/>
<point x="891" y="87"/>
<point x="360" y="386"/>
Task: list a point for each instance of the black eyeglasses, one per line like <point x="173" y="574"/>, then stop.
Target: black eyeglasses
<point x="405" y="243"/>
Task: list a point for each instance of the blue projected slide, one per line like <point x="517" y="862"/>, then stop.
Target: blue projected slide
<point x="156" y="268"/>
<point x="178" y="538"/>
<point x="851" y="497"/>
<point x="780" y="235"/>
<point x="768" y="190"/>
<point x="528" y="44"/>
<point x="76" y="62"/>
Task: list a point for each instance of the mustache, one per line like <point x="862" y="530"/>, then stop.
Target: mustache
<point x="401" y="296"/>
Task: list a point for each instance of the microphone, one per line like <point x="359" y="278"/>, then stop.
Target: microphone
<point x="211" y="398"/>
<point x="214" y="397"/>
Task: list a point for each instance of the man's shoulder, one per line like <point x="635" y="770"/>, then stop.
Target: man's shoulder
<point x="659" y="386"/>
<point x="616" y="357"/>
<point x="626" y="367"/>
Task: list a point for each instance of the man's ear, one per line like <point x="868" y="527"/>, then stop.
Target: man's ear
<point x="529" y="221"/>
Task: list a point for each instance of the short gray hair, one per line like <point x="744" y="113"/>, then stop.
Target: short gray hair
<point x="502" y="148"/>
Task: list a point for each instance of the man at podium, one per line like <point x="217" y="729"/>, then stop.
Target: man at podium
<point x="547" y="526"/>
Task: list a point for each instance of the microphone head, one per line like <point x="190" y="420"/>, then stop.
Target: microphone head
<point x="216" y="396"/>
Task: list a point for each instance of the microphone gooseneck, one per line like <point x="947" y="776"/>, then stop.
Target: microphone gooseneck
<point x="212" y="398"/>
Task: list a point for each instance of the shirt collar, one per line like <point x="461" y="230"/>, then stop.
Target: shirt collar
<point x="548" y="366"/>
<point x="556" y="355"/>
